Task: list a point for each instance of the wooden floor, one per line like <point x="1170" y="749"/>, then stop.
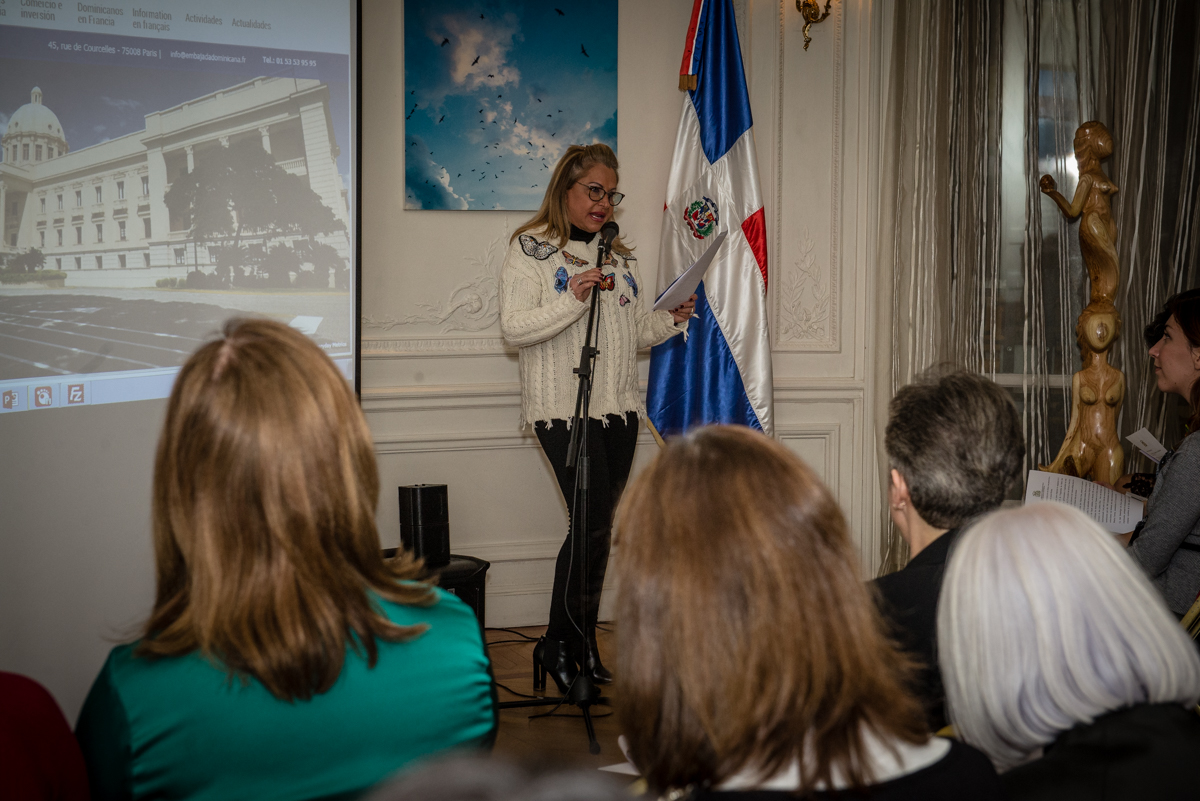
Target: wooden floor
<point x="562" y="737"/>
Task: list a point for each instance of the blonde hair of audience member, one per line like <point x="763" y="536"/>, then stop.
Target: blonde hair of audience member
<point x="551" y="216"/>
<point x="265" y="489"/>
<point x="1044" y="623"/>
<point x="748" y="640"/>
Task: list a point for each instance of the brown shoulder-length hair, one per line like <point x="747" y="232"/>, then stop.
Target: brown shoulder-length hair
<point x="551" y="216"/>
<point x="265" y="487"/>
<point x="747" y="638"/>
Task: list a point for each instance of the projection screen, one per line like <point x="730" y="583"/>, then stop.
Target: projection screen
<point x="166" y="165"/>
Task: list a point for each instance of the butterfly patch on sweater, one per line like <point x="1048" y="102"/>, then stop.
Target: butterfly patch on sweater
<point x="539" y="250"/>
<point x="623" y="300"/>
<point x="632" y="284"/>
<point x="560" y="280"/>
<point x="574" y="261"/>
<point x="609" y="282"/>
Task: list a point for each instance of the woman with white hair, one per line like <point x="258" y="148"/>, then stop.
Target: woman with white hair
<point x="1054" y="644"/>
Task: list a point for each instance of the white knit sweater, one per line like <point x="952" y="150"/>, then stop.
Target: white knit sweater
<point x="541" y="316"/>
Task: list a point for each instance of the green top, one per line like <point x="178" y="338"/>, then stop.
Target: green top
<point x="179" y="727"/>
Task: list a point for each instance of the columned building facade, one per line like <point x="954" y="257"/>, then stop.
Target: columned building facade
<point x="102" y="207"/>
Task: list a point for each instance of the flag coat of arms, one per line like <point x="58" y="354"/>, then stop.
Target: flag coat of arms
<point x="721" y="373"/>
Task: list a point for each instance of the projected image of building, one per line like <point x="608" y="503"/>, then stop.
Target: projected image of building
<point x="103" y="207"/>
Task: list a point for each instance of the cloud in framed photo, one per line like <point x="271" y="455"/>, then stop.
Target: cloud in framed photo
<point x="427" y="183"/>
<point x="120" y="103"/>
<point x="499" y="90"/>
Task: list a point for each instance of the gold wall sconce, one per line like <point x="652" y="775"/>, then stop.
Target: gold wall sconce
<point x="811" y="11"/>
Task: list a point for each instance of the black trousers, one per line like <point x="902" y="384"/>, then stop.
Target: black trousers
<point x="610" y="451"/>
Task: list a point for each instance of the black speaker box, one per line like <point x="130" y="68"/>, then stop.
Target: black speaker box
<point x="425" y="522"/>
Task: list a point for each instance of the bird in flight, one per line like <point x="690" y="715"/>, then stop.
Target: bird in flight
<point x="560" y="13"/>
<point x="440" y="121"/>
<point x="490" y="75"/>
<point x="476" y="61"/>
<point x="583" y="50"/>
<point x="445" y="41"/>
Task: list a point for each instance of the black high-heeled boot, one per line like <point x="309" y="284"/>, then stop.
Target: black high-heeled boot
<point x="592" y="667"/>
<point x="553" y="657"/>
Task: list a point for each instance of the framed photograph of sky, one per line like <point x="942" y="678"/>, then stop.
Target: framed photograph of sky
<point x="495" y="92"/>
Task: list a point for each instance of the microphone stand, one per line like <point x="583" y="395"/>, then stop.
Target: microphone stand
<point x="583" y="692"/>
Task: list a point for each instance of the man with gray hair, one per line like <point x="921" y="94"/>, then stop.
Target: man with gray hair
<point x="954" y="447"/>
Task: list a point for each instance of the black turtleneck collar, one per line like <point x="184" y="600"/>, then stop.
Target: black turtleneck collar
<point x="580" y="235"/>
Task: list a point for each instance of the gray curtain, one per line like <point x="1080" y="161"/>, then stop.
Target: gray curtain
<point x="979" y="269"/>
<point x="1148" y="93"/>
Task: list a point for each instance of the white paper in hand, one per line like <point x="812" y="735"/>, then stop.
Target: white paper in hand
<point x="1116" y="512"/>
<point x="1145" y="442"/>
<point x="682" y="287"/>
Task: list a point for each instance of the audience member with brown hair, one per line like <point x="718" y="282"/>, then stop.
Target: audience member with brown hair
<point x="1167" y="542"/>
<point x="284" y="658"/>
<point x="752" y="660"/>
<point x="954" y="447"/>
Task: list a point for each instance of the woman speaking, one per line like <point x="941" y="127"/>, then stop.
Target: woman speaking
<point x="545" y="285"/>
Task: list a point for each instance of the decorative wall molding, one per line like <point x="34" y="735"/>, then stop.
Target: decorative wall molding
<point x="799" y="320"/>
<point x="811" y="327"/>
<point x="455" y="441"/>
<point x="818" y="390"/>
<point x="442" y="398"/>
<point x="828" y="435"/>
<point x="472" y="306"/>
<point x="515" y="551"/>
<point x="446" y="442"/>
<point x="432" y="347"/>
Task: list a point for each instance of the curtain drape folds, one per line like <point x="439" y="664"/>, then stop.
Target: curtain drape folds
<point x="1148" y="52"/>
<point x="981" y="271"/>
<point x="941" y="207"/>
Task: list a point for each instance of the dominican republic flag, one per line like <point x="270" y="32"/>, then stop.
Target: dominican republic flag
<point x="722" y="372"/>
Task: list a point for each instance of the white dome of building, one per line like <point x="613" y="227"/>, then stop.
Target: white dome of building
<point x="34" y="133"/>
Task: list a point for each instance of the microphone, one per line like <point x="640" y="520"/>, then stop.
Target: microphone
<point x="608" y="232"/>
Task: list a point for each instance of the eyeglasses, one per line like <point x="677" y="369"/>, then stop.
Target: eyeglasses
<point x="596" y="192"/>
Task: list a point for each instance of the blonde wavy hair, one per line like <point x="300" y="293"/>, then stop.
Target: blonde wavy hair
<point x="551" y="216"/>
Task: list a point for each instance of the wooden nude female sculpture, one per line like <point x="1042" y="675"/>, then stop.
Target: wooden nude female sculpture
<point x="1091" y="448"/>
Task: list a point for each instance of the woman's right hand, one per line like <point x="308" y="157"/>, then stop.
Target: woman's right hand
<point x="1047" y="184"/>
<point x="581" y="283"/>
